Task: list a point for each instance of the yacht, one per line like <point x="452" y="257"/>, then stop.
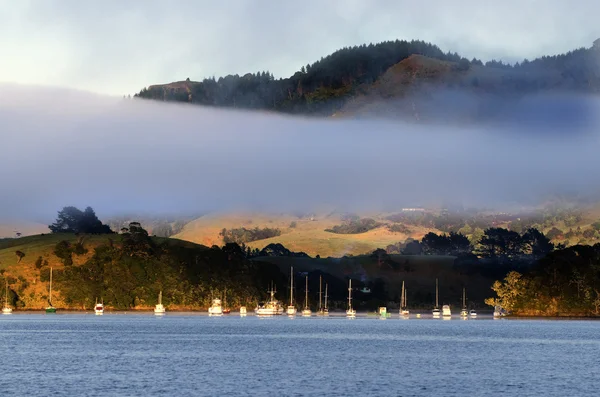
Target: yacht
<point x="243" y="311"/>
<point x="6" y="309"/>
<point x="306" y="312"/>
<point x="50" y="308"/>
<point x="464" y="312"/>
<point x="350" y="313"/>
<point x="159" y="309"/>
<point x="291" y="309"/>
<point x="472" y="313"/>
<point x="321" y="311"/>
<point x="99" y="308"/>
<point x="271" y="308"/>
<point x="215" y="309"/>
<point x="403" y="309"/>
<point x="326" y="309"/>
<point x="436" y="311"/>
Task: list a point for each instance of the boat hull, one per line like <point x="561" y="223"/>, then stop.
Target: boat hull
<point x="6" y="310"/>
<point x="269" y="312"/>
<point x="351" y="313"/>
<point x="50" y="310"/>
<point x="291" y="311"/>
<point x="306" y="313"/>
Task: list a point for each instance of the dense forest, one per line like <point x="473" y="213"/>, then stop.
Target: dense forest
<point x="326" y="85"/>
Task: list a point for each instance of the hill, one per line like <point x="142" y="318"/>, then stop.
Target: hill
<point x="350" y="77"/>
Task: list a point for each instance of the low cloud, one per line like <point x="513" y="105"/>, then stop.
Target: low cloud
<point x="62" y="147"/>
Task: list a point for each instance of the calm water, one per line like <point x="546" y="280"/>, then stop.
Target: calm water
<point x="194" y="355"/>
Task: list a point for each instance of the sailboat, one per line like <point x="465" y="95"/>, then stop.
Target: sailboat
<point x="159" y="309"/>
<point x="403" y="309"/>
<point x="321" y="312"/>
<point x="226" y="310"/>
<point x="291" y="309"/>
<point x="326" y="309"/>
<point x="350" y="313"/>
<point x="50" y="309"/>
<point x="243" y="311"/>
<point x="306" y="312"/>
<point x="99" y="308"/>
<point x="6" y="309"/>
<point x="436" y="311"/>
<point x="464" y="312"/>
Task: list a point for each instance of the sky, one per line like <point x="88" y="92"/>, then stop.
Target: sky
<point x="118" y="47"/>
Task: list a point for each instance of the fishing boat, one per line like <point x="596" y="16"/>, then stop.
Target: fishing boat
<point x="226" y="309"/>
<point x="6" y="309"/>
<point x="350" y="313"/>
<point x="464" y="312"/>
<point x="291" y="309"/>
<point x="215" y="309"/>
<point x="306" y="312"/>
<point x="243" y="311"/>
<point x="271" y="308"/>
<point x="99" y="308"/>
<point x="50" y="308"/>
<point x="403" y="308"/>
<point x="159" y="309"/>
<point x="436" y="310"/>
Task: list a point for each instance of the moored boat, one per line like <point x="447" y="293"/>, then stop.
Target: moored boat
<point x="50" y="308"/>
<point x="159" y="309"/>
<point x="291" y="309"/>
<point x="99" y="308"/>
<point x="403" y="308"/>
<point x="306" y="312"/>
<point x="271" y="308"/>
<point x="436" y="311"/>
<point x="464" y="312"/>
<point x="215" y="309"/>
<point x="350" y="313"/>
<point x="243" y="311"/>
<point x="6" y="309"/>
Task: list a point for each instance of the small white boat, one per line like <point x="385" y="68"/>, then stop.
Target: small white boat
<point x="99" y="308"/>
<point x="436" y="313"/>
<point x="6" y="309"/>
<point x="473" y="313"/>
<point x="499" y="311"/>
<point x="464" y="312"/>
<point x="291" y="309"/>
<point x="271" y="308"/>
<point x="243" y="311"/>
<point x="446" y="312"/>
<point x="306" y="312"/>
<point x="215" y="309"/>
<point x="350" y="313"/>
<point x="159" y="309"/>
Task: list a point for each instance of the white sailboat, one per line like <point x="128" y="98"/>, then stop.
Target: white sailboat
<point x="159" y="309"/>
<point x="99" y="308"/>
<point x="50" y="308"/>
<point x="464" y="312"/>
<point x="436" y="311"/>
<point x="473" y="313"/>
<point x="271" y="308"/>
<point x="403" y="308"/>
<point x="291" y="309"/>
<point x="499" y="311"/>
<point x="326" y="309"/>
<point x="306" y="312"/>
<point x="321" y="312"/>
<point x="243" y="311"/>
<point x="350" y="313"/>
<point x="6" y="309"/>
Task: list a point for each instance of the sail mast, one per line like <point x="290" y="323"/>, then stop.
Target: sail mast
<point x="402" y="297"/>
<point x="464" y="298"/>
<point x="325" y="296"/>
<point x="306" y="295"/>
<point x="50" y="289"/>
<point x="320" y="293"/>
<point x="291" y="286"/>
<point x="350" y="295"/>
<point x="436" y="293"/>
<point x="405" y="296"/>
